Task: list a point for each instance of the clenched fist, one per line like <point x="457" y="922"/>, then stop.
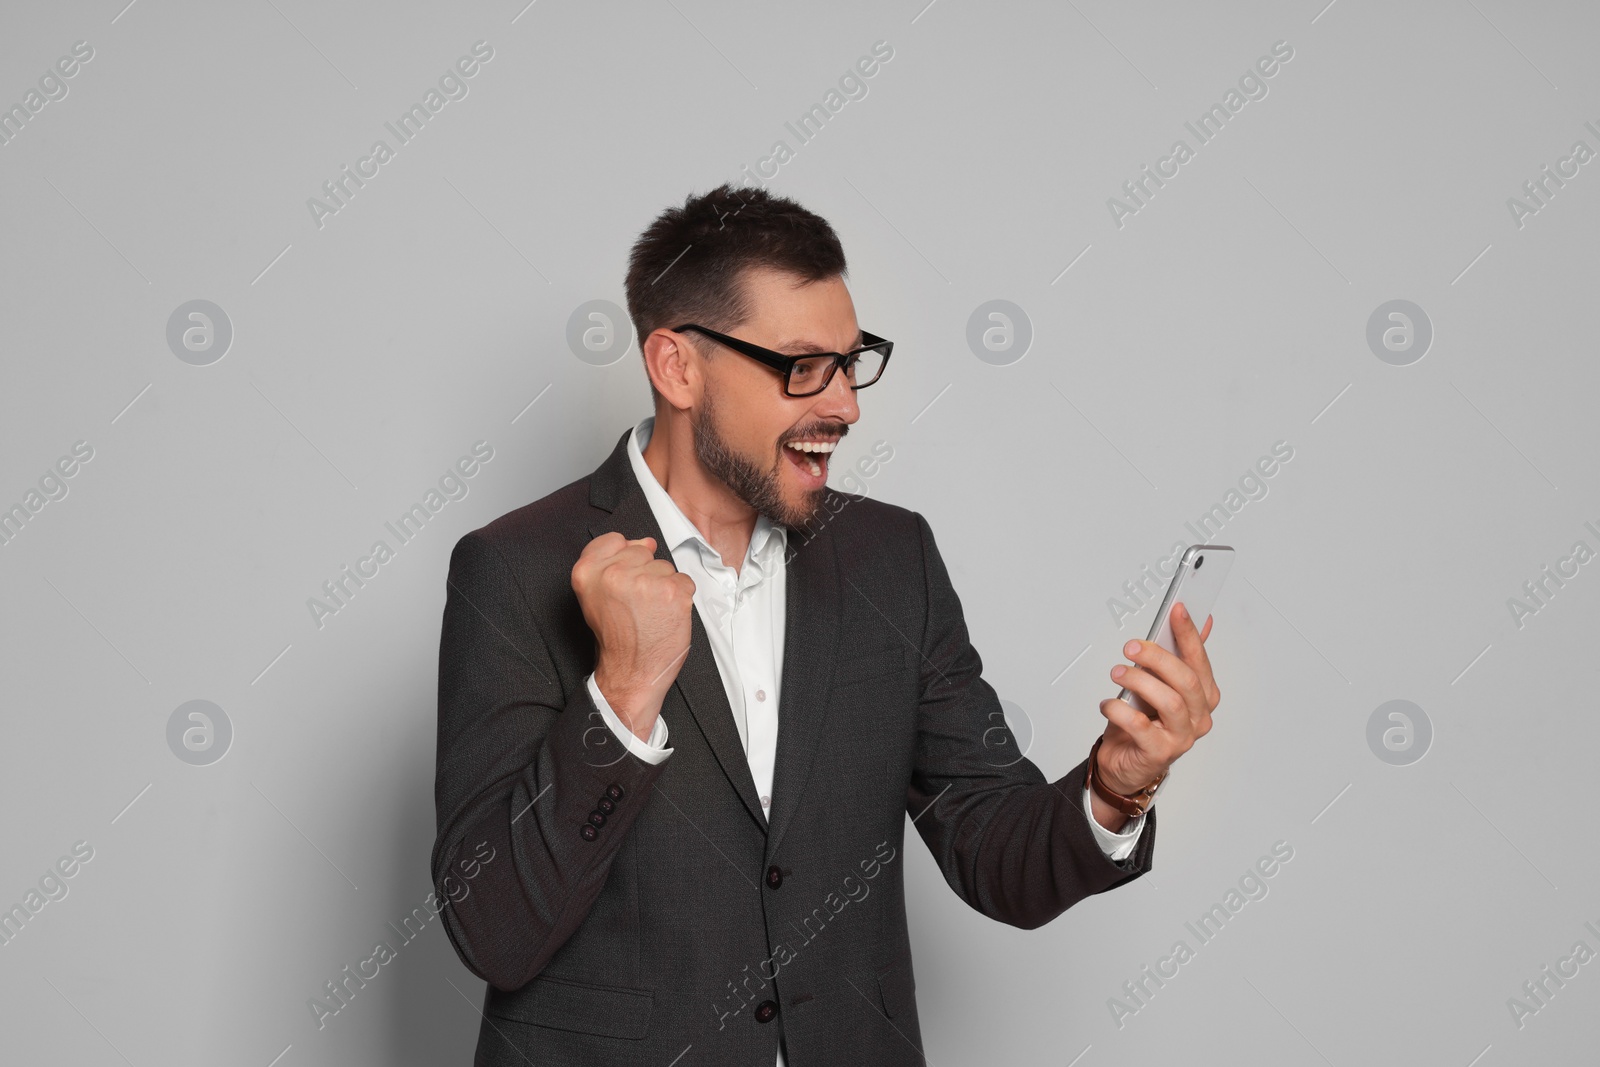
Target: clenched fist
<point x="638" y="608"/>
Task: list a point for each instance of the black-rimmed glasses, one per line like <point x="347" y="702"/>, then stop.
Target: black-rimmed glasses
<point x="809" y="375"/>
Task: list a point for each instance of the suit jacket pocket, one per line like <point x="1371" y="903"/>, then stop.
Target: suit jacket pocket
<point x="873" y="663"/>
<point x="610" y="1011"/>
<point x="898" y="989"/>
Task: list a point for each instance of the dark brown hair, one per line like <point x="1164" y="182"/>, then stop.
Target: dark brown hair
<point x="688" y="265"/>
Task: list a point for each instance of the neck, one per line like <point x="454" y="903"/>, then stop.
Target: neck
<point x="721" y="517"/>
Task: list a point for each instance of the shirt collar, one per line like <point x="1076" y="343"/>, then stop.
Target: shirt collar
<point x="675" y="526"/>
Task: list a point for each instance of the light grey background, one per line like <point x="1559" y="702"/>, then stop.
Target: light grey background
<point x="1167" y="355"/>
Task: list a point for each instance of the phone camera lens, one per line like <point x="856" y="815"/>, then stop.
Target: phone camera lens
<point x="1199" y="561"/>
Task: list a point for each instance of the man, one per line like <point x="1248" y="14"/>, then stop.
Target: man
<point x="687" y="702"/>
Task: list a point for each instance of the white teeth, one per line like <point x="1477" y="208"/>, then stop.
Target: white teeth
<point x="810" y="450"/>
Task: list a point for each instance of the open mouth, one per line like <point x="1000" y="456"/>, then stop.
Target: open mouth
<point x="810" y="459"/>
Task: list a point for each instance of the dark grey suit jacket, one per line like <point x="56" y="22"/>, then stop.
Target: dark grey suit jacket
<point x="682" y="918"/>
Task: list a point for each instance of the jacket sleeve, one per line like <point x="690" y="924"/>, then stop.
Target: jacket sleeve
<point x="1014" y="846"/>
<point x="522" y="766"/>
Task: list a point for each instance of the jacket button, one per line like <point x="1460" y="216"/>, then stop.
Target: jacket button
<point x="614" y="791"/>
<point x="588" y="832"/>
<point x="606" y="805"/>
<point x="598" y="818"/>
<point x="774" y="876"/>
<point x="766" y="1011"/>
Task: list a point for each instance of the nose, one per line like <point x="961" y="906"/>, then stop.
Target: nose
<point x="838" y="399"/>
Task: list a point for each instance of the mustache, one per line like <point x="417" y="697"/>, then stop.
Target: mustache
<point x="834" y="431"/>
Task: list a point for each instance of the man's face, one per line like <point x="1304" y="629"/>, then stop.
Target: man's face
<point x="745" y="422"/>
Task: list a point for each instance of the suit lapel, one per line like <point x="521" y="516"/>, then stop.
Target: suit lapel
<point x="811" y="636"/>
<point x="699" y="683"/>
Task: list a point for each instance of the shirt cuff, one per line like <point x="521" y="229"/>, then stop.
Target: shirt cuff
<point x="651" y="752"/>
<point x="1116" y="846"/>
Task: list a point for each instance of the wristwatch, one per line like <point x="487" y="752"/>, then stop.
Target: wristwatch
<point x="1133" y="806"/>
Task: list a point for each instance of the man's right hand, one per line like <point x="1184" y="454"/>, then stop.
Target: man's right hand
<point x="638" y="608"/>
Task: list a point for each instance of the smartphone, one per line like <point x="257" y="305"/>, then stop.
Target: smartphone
<point x="1197" y="582"/>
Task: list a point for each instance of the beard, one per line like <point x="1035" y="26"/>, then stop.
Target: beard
<point x="761" y="490"/>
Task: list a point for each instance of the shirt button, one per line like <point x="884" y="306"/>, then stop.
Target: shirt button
<point x="761" y="694"/>
<point x="766" y="802"/>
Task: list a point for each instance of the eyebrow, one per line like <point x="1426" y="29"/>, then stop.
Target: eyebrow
<point x="796" y="348"/>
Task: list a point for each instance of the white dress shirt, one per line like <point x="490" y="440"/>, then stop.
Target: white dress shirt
<point x="743" y="614"/>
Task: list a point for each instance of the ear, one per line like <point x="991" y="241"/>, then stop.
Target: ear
<point x="674" y="367"/>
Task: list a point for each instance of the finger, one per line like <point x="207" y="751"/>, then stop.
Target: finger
<point x="681" y="585"/>
<point x="642" y="544"/>
<point x="1171" y="670"/>
<point x="1127" y="718"/>
<point x="1170" y="705"/>
<point x="620" y="573"/>
<point x="1187" y="638"/>
<point x="607" y="544"/>
<point x="1192" y="645"/>
<point x="613" y="541"/>
<point x="594" y="559"/>
<point x="637" y="554"/>
<point x="611" y="547"/>
<point x="658" y="568"/>
<point x="1205" y="633"/>
<point x="1114" y="733"/>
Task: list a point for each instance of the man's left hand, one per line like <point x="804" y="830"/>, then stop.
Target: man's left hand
<point x="1137" y="749"/>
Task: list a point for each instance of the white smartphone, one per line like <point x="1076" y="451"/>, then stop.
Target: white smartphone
<point x="1197" y="582"/>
